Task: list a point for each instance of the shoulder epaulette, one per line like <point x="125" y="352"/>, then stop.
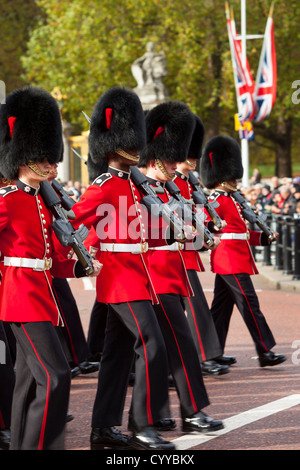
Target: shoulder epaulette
<point x="12" y="188"/>
<point x="100" y="180"/>
<point x="213" y="196"/>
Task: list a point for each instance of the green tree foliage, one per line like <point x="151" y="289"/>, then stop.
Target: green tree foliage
<point x="85" y="46"/>
<point x="16" y="21"/>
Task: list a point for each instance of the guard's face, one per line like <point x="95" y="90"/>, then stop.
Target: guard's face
<point x="170" y="168"/>
<point x="233" y="183"/>
<point x="43" y="170"/>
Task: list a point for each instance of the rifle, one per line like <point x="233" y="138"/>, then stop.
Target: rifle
<point x="251" y="216"/>
<point x="156" y="206"/>
<point x="63" y="228"/>
<point x="196" y="219"/>
<point x="65" y="199"/>
<point x="200" y="198"/>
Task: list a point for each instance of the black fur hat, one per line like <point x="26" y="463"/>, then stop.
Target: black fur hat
<point x="30" y="129"/>
<point x="117" y="122"/>
<point x="95" y="169"/>
<point x="221" y="161"/>
<point x="195" y="150"/>
<point x="170" y="126"/>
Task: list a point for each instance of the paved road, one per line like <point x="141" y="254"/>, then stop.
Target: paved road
<point x="260" y="406"/>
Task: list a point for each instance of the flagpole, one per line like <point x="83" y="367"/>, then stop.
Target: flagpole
<point x="244" y="142"/>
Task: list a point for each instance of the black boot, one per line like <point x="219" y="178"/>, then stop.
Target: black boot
<point x="270" y="359"/>
<point x="148" y="438"/>
<point x="4" y="439"/>
<point x="109" y="438"/>
<point x="213" y="368"/>
<point x="200" y="422"/>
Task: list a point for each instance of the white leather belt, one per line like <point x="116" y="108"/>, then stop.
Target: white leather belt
<point x="234" y="236"/>
<point x="134" y="248"/>
<point x="35" y="264"/>
<point x="174" y="247"/>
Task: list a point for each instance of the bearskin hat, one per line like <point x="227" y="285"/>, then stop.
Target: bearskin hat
<point x="117" y="122"/>
<point x="169" y="126"/>
<point x="95" y="169"/>
<point x="195" y="150"/>
<point x="30" y="130"/>
<point x="221" y="161"/>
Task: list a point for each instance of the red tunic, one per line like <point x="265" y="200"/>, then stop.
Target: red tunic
<point x="167" y="268"/>
<point x="111" y="206"/>
<point x="26" y="232"/>
<point x="191" y="257"/>
<point x="233" y="256"/>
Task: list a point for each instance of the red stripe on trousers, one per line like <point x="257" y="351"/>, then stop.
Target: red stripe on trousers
<point x="2" y="425"/>
<point x="251" y="313"/>
<point x="42" y="433"/>
<point x="198" y="334"/>
<point x="148" y="400"/>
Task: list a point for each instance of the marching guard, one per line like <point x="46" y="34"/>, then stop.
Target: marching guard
<point x="30" y="144"/>
<point x="232" y="261"/>
<point x="170" y="127"/>
<point x="110" y="206"/>
<point x="198" y="312"/>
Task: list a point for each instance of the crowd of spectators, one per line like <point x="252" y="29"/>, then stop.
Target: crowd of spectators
<point x="281" y="196"/>
<point x="75" y="189"/>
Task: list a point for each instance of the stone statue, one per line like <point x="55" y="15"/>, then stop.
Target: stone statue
<point x="148" y="72"/>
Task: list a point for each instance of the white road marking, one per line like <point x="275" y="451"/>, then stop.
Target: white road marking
<point x="212" y="290"/>
<point x="87" y="282"/>
<point x="234" y="422"/>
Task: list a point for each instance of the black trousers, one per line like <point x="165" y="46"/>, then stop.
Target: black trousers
<point x="72" y="334"/>
<point x="96" y="330"/>
<point x="41" y="394"/>
<point x="7" y="380"/>
<point x="238" y="289"/>
<point x="132" y="331"/>
<point x="201" y="321"/>
<point x="182" y="354"/>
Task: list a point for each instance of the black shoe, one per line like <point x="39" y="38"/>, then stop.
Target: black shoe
<point x="200" y="422"/>
<point x="4" y="439"/>
<point x="131" y="379"/>
<point x="270" y="359"/>
<point x="149" y="439"/>
<point x="69" y="417"/>
<point x="225" y="360"/>
<point x="88" y="367"/>
<point x="164" y="424"/>
<point x="213" y="368"/>
<point x="109" y="438"/>
<point x="75" y="371"/>
<point x="171" y="382"/>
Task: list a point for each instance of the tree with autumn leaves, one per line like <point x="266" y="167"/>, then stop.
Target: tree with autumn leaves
<point x="85" y="46"/>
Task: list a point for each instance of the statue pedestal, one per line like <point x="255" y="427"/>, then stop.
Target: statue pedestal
<point x="151" y="95"/>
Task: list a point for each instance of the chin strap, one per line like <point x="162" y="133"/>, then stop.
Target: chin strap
<point x="192" y="165"/>
<point x="228" y="186"/>
<point x="126" y="155"/>
<point x="161" y="166"/>
<point x="33" y="166"/>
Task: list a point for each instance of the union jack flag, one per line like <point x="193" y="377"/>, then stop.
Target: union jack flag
<point x="266" y="78"/>
<point x="244" y="83"/>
